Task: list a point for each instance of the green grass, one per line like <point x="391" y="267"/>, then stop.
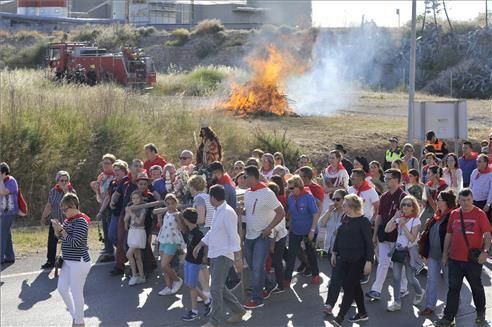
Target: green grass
<point x="29" y="240"/>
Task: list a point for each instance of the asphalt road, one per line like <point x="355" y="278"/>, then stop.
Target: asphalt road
<point x="29" y="298"/>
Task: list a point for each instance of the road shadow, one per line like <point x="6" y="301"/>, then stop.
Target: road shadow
<point x="39" y="290"/>
<point x="6" y="265"/>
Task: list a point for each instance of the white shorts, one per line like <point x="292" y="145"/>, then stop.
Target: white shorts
<point x="137" y="238"/>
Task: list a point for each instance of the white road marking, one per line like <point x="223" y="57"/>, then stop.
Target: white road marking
<point x="2" y="276"/>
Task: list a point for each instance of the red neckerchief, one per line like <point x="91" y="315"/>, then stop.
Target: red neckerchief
<point x="439" y="214"/>
<point x="483" y="172"/>
<point x="408" y="216"/>
<point x="364" y="187"/>
<point x="258" y="186"/>
<point x="78" y="215"/>
<point x="340" y="166"/>
<point x="59" y="188"/>
<point x="226" y="179"/>
<point x="303" y="192"/>
<point x="442" y="183"/>
<point x="473" y="156"/>
<point x="6" y="179"/>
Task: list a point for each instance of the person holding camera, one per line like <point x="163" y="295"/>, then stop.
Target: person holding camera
<point x="75" y="254"/>
<point x="465" y="250"/>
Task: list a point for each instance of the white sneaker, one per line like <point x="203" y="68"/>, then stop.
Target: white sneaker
<point x="140" y="280"/>
<point x="418" y="298"/>
<point x="132" y="281"/>
<point x="404" y="293"/>
<point x="177" y="285"/>
<point x="394" y="306"/>
<point x="165" y="291"/>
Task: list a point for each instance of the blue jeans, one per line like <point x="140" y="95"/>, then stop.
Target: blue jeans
<point x="412" y="279"/>
<point x="6" y="246"/>
<point x="256" y="251"/>
<point x="113" y="229"/>
<point x="433" y="276"/>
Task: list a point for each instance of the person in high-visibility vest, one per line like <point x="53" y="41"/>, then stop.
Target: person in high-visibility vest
<point x="394" y="152"/>
<point x="440" y="148"/>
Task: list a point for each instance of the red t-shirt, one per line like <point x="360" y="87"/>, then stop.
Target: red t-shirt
<point x="157" y="161"/>
<point x="476" y="224"/>
<point x="317" y="191"/>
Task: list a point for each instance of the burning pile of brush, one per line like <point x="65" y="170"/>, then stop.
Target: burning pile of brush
<point x="264" y="92"/>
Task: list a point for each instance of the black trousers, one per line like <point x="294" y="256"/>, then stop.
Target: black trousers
<point x="335" y="283"/>
<point x="352" y="289"/>
<point x="473" y="274"/>
<point x="52" y="243"/>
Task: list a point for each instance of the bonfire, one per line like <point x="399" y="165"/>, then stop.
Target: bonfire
<point x="264" y="92"/>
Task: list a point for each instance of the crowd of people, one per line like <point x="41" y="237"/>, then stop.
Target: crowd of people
<point x="206" y="224"/>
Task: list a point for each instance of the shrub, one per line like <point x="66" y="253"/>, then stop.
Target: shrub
<point x="205" y="48"/>
<point x="31" y="56"/>
<point x="182" y="36"/>
<point x="208" y="26"/>
<point x="273" y="142"/>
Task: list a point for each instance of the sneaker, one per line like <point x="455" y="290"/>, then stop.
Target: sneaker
<point x="177" y="285"/>
<point x="394" y="306"/>
<point x="268" y="292"/>
<point x="235" y="318"/>
<point x="140" y="280"/>
<point x="132" y="281"/>
<point x="337" y="322"/>
<point x="418" y="298"/>
<point x="327" y="309"/>
<point x="251" y="304"/>
<point x="443" y="322"/>
<point x="404" y="293"/>
<point x="278" y="290"/>
<point x="373" y="295"/>
<point x="307" y="272"/>
<point x="316" y="280"/>
<point x="480" y="319"/>
<point x="48" y="265"/>
<point x="426" y="312"/>
<point x="208" y="308"/>
<point x="359" y="317"/>
<point x="165" y="291"/>
<point x="190" y="316"/>
<point x="365" y="279"/>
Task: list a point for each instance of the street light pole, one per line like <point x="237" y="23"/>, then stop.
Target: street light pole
<point x="411" y="73"/>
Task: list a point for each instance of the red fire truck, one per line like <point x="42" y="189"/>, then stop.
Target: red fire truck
<point x="130" y="67"/>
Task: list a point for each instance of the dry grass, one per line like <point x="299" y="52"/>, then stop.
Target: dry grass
<point x="29" y="240"/>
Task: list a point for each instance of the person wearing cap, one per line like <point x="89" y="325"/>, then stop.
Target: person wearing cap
<point x="440" y="148"/>
<point x="394" y="152"/>
<point x="52" y="209"/>
<point x="345" y="162"/>
<point x="152" y="157"/>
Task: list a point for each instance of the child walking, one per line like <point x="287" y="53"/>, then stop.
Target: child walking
<point x="135" y="224"/>
<point x="170" y="240"/>
<point x="192" y="265"/>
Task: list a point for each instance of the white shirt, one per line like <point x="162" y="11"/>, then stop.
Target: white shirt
<point x="260" y="208"/>
<point x="280" y="231"/>
<point x="402" y="239"/>
<point x="369" y="197"/>
<point x="456" y="181"/>
<point x="223" y="239"/>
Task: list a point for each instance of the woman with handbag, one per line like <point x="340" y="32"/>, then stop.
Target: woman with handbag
<point x="431" y="245"/>
<point x="407" y="224"/>
<point x="76" y="261"/>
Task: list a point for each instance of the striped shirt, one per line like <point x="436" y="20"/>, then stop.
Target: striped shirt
<point x="74" y="246"/>
<point x="203" y="199"/>
<point x="54" y="198"/>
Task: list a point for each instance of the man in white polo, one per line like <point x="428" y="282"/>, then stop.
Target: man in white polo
<point x="263" y="212"/>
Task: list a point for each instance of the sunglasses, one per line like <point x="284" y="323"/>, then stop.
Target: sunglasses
<point x="337" y="199"/>
<point x="406" y="205"/>
<point x="291" y="188"/>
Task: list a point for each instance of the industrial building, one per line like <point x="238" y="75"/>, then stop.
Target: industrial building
<point x="169" y="12"/>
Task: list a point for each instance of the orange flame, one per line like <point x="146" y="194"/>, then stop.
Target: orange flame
<point x="263" y="93"/>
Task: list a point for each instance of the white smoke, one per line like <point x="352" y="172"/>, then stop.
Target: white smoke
<point x="341" y="63"/>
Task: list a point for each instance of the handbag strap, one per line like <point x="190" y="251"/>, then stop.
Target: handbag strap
<point x="463" y="229"/>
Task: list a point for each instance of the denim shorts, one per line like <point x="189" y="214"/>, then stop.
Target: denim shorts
<point x="168" y="249"/>
<point x="191" y="272"/>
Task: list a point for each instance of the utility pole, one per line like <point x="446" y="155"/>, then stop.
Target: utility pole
<point x="411" y="75"/>
<point x="486" y="15"/>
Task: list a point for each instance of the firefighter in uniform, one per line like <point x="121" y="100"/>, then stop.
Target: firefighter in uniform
<point x="440" y="148"/>
<point x="394" y="152"/>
